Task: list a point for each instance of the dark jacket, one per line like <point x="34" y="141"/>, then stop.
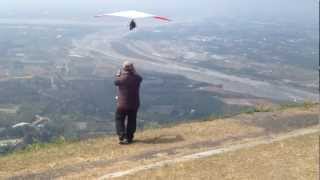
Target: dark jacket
<point x="128" y="90"/>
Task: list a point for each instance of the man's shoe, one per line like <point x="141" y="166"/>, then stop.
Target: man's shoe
<point x="121" y="138"/>
<point x="124" y="142"/>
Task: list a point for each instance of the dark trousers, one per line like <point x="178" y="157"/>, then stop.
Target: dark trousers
<point x="126" y="130"/>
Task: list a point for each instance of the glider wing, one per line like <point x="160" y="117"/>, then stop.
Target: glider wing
<point x="134" y="15"/>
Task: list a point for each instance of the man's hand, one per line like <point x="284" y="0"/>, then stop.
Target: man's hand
<point x="118" y="73"/>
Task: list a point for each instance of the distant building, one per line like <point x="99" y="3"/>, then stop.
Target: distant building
<point x="193" y="111"/>
<point x="2" y="129"/>
<point x="81" y="126"/>
<point x="40" y="121"/>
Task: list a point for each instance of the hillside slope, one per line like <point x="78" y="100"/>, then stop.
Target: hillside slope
<point x="96" y="158"/>
<point x="292" y="158"/>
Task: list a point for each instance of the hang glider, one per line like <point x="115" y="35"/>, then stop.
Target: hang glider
<point x="134" y="15"/>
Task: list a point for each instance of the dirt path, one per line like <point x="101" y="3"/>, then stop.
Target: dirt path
<point x="200" y="155"/>
<point x="274" y="125"/>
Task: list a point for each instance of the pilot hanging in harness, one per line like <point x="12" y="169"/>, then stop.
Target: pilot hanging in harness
<point x="132" y="25"/>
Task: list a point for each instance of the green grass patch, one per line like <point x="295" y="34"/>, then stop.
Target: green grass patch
<point x="37" y="146"/>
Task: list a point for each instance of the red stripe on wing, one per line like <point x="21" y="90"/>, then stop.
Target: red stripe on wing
<point x="161" y="18"/>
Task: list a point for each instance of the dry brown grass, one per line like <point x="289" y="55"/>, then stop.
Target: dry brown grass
<point x="295" y="158"/>
<point x="107" y="148"/>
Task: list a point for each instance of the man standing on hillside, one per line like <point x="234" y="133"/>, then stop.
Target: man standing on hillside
<point x="128" y="102"/>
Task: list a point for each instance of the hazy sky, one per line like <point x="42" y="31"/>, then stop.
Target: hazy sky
<point x="295" y="9"/>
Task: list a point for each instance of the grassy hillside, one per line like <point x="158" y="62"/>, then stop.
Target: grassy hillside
<point x="295" y="158"/>
<point x="95" y="157"/>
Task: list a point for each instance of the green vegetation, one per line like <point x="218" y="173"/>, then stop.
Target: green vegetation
<point x="37" y="146"/>
<point x="257" y="109"/>
<point x="306" y="105"/>
<point x="261" y="108"/>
